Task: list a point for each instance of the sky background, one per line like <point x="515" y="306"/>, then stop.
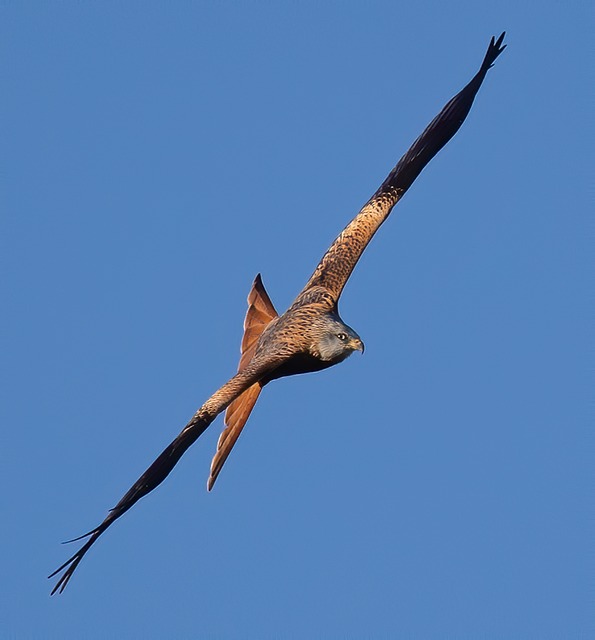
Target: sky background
<point x="155" y="157"/>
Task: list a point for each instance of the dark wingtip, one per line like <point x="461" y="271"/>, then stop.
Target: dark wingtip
<point x="72" y="563"/>
<point x="85" y="535"/>
<point x="494" y="50"/>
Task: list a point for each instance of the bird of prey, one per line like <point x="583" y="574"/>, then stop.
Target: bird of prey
<point x="310" y="335"/>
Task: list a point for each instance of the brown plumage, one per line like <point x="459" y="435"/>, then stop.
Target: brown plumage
<point x="260" y="313"/>
<point x="310" y="335"/>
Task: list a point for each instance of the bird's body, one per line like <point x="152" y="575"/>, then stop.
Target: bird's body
<point x="310" y="335"/>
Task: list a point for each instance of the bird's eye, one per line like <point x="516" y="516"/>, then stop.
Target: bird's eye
<point x="342" y="336"/>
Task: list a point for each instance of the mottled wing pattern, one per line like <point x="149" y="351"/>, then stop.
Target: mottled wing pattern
<point x="260" y="313"/>
<point x="339" y="261"/>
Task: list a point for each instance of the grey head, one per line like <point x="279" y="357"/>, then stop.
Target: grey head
<point x="335" y="340"/>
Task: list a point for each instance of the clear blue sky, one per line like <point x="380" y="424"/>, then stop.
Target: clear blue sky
<point x="156" y="156"/>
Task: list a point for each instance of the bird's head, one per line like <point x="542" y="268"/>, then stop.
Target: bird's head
<point x="336" y="341"/>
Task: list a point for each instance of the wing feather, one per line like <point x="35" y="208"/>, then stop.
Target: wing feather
<point x="163" y="465"/>
<point x="337" y="264"/>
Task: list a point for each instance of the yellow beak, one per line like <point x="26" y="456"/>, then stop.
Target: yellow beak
<point x="357" y="345"/>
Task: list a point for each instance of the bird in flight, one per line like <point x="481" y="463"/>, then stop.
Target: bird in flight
<point x="310" y="335"/>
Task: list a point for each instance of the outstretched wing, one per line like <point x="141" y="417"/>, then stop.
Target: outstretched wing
<point x="339" y="261"/>
<point x="259" y="315"/>
<point x="164" y="464"/>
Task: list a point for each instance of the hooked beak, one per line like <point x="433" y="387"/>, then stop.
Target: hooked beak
<point x="358" y="345"/>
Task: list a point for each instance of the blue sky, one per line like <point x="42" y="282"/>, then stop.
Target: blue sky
<point x="156" y="157"/>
